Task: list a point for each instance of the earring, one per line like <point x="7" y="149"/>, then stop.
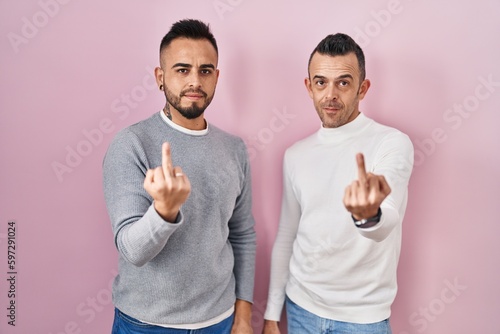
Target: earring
<point x="161" y="87"/>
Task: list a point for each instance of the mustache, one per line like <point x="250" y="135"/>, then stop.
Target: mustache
<point x="332" y="104"/>
<point x="195" y="91"/>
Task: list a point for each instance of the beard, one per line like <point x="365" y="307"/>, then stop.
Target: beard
<point x="344" y="115"/>
<point x="192" y="112"/>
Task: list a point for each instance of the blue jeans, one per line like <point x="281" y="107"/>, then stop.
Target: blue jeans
<point x="301" y="321"/>
<point x="124" y="324"/>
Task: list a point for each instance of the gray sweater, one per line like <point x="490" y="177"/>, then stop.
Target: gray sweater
<point x="193" y="269"/>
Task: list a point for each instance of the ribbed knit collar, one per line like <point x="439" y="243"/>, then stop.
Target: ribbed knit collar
<point x="345" y="131"/>
<point x="181" y="128"/>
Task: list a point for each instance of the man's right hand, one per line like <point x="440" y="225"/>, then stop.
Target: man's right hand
<point x="270" y="327"/>
<point x="168" y="186"/>
<point x="362" y="198"/>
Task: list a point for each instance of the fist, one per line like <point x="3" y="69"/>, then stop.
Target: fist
<point x="362" y="198"/>
<point x="168" y="186"/>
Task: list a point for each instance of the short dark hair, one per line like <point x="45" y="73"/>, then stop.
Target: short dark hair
<point x="340" y="45"/>
<point x="189" y="28"/>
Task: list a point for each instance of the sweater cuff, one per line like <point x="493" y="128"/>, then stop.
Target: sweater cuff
<point x="156" y="216"/>
<point x="143" y="240"/>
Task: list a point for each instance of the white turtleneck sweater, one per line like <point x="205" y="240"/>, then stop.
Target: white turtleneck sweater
<point x="320" y="259"/>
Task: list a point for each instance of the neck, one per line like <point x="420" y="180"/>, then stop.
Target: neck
<point x="175" y="116"/>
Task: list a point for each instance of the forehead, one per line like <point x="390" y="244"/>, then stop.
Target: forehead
<point x="328" y="66"/>
<point x="189" y="51"/>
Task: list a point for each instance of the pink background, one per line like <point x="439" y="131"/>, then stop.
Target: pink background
<point x="75" y="72"/>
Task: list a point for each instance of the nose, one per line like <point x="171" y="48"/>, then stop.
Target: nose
<point x="195" y="80"/>
<point x="331" y="92"/>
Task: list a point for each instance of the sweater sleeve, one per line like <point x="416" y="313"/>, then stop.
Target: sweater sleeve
<point x="242" y="236"/>
<point x="393" y="160"/>
<point x="283" y="247"/>
<point x="140" y="233"/>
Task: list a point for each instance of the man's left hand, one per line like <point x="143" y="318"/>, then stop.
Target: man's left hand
<point x="242" y="317"/>
<point x="241" y="327"/>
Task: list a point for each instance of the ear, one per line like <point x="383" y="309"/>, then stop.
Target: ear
<point x="307" y="82"/>
<point x="363" y="89"/>
<point x="159" y="76"/>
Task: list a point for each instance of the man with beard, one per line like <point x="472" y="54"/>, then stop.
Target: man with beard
<point x="178" y="194"/>
<point x="335" y="256"/>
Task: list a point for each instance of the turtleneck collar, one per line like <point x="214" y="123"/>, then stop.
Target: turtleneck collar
<point x="345" y="131"/>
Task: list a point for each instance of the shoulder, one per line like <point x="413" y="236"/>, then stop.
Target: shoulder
<point x="134" y="136"/>
<point x="301" y="146"/>
<point x="146" y="127"/>
<point x="388" y="135"/>
<point x="225" y="137"/>
<point x="393" y="149"/>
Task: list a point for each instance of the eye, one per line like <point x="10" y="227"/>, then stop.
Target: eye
<point x="182" y="70"/>
<point x="320" y="83"/>
<point x="343" y="83"/>
<point x="206" y="71"/>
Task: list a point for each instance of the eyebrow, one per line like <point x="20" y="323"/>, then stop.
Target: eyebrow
<point x="343" y="76"/>
<point x="190" y="66"/>
<point x="319" y="77"/>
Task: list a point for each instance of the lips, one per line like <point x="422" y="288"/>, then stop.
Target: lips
<point x="332" y="108"/>
<point x="194" y="95"/>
